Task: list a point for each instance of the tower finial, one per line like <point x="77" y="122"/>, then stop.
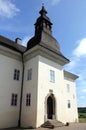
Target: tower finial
<point x="43" y="10"/>
<point x="42" y="4"/>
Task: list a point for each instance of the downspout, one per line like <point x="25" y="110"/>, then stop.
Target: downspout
<point x="21" y="94"/>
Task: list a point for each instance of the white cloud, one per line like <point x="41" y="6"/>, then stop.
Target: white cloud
<point x="78" y="56"/>
<point x="84" y="90"/>
<point x="8" y="9"/>
<point x="81" y="48"/>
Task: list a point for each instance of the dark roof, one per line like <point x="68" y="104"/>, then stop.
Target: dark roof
<point x="11" y="44"/>
<point x="48" y="42"/>
<point x="44" y="39"/>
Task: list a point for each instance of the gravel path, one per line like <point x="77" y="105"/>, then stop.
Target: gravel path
<point x="76" y="126"/>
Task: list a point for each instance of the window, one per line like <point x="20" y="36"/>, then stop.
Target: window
<point x="73" y="96"/>
<point x="68" y="88"/>
<point x="14" y="100"/>
<point x="28" y="99"/>
<point x="29" y="76"/>
<point x="52" y="76"/>
<point x="69" y="104"/>
<point x="16" y="74"/>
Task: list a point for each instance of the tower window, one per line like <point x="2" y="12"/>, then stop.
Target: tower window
<point x="16" y="74"/>
<point x="14" y="98"/>
<point x="52" y="76"/>
<point x="68" y="88"/>
<point x="28" y="99"/>
<point x="69" y="104"/>
<point x="73" y="96"/>
<point x="29" y="76"/>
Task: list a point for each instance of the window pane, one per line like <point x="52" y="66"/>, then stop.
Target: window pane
<point x="14" y="98"/>
<point x="68" y="88"/>
<point x="69" y="104"/>
<point x="52" y="76"/>
<point x="28" y="99"/>
<point x="29" y="76"/>
<point x="16" y="74"/>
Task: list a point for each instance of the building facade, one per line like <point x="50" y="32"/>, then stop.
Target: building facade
<point x="34" y="87"/>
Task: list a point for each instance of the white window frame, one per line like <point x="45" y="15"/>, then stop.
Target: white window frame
<point x="68" y="88"/>
<point x="52" y="76"/>
<point x="29" y="74"/>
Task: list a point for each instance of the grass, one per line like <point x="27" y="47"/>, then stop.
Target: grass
<point x="82" y="120"/>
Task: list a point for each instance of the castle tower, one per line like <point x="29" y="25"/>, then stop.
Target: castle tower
<point x="45" y="80"/>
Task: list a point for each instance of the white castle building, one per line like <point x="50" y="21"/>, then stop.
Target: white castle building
<point x="34" y="87"/>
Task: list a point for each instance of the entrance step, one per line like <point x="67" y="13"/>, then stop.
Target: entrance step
<point x="52" y="124"/>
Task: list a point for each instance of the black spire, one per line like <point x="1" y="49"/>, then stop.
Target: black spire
<point x="43" y="10"/>
<point x="43" y="23"/>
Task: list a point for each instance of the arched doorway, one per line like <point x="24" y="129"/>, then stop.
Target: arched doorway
<point x="50" y="107"/>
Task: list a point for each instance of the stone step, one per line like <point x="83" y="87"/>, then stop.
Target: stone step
<point x="52" y="124"/>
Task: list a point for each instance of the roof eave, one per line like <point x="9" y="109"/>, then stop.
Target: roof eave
<point x="70" y="75"/>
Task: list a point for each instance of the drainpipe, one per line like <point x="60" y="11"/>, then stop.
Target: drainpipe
<point x="21" y="94"/>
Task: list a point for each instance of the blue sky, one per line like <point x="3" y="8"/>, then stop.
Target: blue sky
<point x="17" y="18"/>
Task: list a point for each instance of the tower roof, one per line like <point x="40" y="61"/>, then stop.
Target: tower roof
<point x="43" y="34"/>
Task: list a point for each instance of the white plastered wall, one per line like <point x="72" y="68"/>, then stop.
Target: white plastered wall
<point x="58" y="89"/>
<point x="45" y="86"/>
<point x="9" y="115"/>
<point x="29" y="113"/>
<point x="71" y="113"/>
